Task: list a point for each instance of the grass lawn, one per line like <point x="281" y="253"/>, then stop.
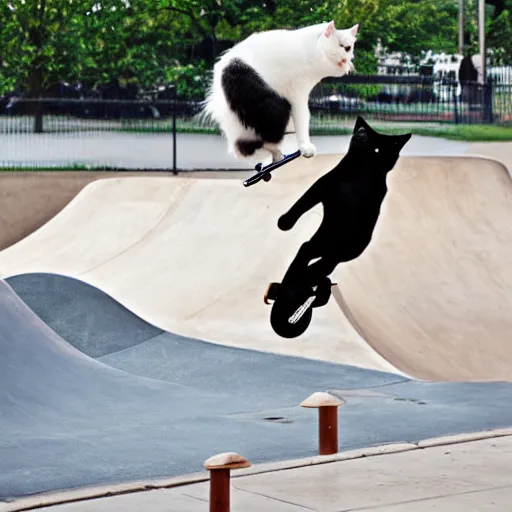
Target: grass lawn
<point x="462" y="132"/>
<point x="320" y="125"/>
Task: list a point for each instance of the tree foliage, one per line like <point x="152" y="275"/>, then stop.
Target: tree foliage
<point x="150" y="41"/>
<point x="499" y="31"/>
<point x="45" y="41"/>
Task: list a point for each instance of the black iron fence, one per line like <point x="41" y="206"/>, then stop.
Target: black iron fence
<point x="411" y="99"/>
<point x="92" y="132"/>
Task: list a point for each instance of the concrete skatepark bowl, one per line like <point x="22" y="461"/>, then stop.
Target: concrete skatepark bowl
<point x="134" y="341"/>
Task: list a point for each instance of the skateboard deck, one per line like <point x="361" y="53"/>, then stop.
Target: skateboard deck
<point x="263" y="173"/>
<point x="292" y="308"/>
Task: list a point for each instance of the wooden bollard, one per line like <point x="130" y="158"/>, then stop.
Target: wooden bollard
<point x="219" y="467"/>
<point x="327" y="420"/>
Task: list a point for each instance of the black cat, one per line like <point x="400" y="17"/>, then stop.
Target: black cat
<point x="351" y="195"/>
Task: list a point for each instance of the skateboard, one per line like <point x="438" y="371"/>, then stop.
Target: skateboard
<point x="292" y="308"/>
<point x="263" y="173"/>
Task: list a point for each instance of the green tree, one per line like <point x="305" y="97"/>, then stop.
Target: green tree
<point x="409" y="26"/>
<point x="153" y="41"/>
<point x="499" y="31"/>
<point x="207" y="17"/>
<point x="45" y="41"/>
<point x="42" y="39"/>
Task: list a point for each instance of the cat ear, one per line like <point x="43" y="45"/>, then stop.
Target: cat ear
<point x="354" y="30"/>
<point x="330" y="29"/>
<point x="360" y="123"/>
<point x="403" y="139"/>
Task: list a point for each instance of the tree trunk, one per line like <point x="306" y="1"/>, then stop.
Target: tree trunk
<point x="35" y="87"/>
<point x="36" y="77"/>
<point x="214" y="47"/>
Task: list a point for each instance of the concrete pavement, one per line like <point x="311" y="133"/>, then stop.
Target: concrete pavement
<point x="119" y="400"/>
<point x="154" y="150"/>
<point x="444" y="475"/>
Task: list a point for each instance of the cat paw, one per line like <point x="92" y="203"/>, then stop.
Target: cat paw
<point x="276" y="156"/>
<point x="284" y="223"/>
<point x="307" y="149"/>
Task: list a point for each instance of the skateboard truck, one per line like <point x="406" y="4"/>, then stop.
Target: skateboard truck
<point x="263" y="173"/>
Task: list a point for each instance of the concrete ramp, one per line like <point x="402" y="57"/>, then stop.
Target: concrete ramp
<point x="192" y="256"/>
<point x="429" y="298"/>
<point x="433" y="292"/>
<point x="84" y="316"/>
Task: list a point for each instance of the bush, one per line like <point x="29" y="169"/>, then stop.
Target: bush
<point x="190" y="79"/>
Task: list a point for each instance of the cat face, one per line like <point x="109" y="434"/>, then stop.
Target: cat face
<point x="376" y="149"/>
<point x="338" y="47"/>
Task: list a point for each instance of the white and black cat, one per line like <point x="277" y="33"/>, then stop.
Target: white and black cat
<point x="261" y="86"/>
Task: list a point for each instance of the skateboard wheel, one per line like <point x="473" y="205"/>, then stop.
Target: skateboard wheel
<point x="279" y="320"/>
<point x="267" y="177"/>
<point x="290" y="300"/>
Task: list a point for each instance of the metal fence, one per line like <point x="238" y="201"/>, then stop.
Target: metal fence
<point x="86" y="133"/>
<point x="410" y="99"/>
<point x="142" y="134"/>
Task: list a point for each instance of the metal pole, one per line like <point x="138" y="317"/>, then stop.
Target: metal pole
<point x="220" y="467"/>
<point x="461" y="27"/>
<point x="481" y="36"/>
<point x="174" y="150"/>
<point x="327" y="406"/>
<point x="219" y="490"/>
<point x="328" y="430"/>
